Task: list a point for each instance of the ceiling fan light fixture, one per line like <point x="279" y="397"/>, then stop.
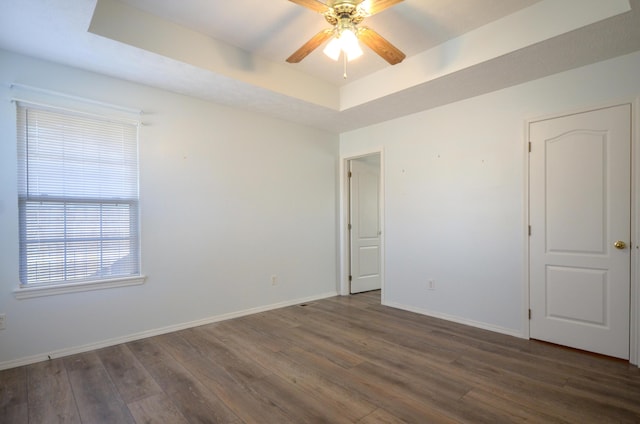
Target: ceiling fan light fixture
<point x="346" y="42"/>
<point x="350" y="45"/>
<point x="333" y="49"/>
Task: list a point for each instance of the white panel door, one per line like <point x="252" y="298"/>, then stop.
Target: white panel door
<point x="365" y="224"/>
<point x="580" y="213"/>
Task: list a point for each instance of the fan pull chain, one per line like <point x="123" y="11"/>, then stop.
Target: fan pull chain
<point x="344" y="57"/>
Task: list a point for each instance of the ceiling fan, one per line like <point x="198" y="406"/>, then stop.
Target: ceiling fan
<point x="345" y="16"/>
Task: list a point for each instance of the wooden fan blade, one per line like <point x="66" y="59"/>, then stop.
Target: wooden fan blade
<point x="385" y="49"/>
<point x="314" y="5"/>
<point x="377" y="6"/>
<point x="310" y="46"/>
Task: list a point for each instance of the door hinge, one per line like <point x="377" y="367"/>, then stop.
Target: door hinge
<point x="529" y="229"/>
<point x="529" y="313"/>
<point x="349" y="227"/>
<point x="350" y="174"/>
<point x="529" y="147"/>
<point x="350" y="278"/>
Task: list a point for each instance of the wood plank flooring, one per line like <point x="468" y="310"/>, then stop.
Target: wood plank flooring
<point x="339" y="360"/>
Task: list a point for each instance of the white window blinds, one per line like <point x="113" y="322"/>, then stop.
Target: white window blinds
<point x="78" y="197"/>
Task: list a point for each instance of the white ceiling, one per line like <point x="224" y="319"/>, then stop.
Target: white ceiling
<point x="232" y="52"/>
<point x="274" y="29"/>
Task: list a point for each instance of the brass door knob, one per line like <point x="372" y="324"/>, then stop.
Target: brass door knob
<point x="620" y="244"/>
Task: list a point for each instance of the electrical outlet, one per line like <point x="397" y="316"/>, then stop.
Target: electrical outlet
<point x="431" y="285"/>
<point x="274" y="280"/>
<point x="3" y="321"/>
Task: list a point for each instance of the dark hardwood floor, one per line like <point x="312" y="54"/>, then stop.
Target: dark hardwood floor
<point x="339" y="360"/>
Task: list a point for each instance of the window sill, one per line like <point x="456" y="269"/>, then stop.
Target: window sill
<point x="26" y="292"/>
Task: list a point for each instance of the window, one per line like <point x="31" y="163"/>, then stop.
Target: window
<point x="78" y="197"/>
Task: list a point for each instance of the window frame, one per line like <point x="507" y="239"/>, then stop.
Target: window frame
<point x="98" y="111"/>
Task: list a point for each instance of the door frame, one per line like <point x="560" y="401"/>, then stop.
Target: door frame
<point x="343" y="237"/>
<point x="634" y="298"/>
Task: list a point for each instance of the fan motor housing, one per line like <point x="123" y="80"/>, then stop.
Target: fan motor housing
<point x="344" y="10"/>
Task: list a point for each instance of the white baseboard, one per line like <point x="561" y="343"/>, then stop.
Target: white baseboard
<point x="155" y="332"/>
<point x="459" y="320"/>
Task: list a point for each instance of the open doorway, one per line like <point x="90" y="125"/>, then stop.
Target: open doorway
<point x="364" y="223"/>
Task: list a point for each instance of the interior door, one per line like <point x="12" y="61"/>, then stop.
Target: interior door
<point x="364" y="217"/>
<point x="580" y="213"/>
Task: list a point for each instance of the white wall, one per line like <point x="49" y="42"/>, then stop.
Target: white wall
<point x="228" y="198"/>
<point x="454" y="193"/>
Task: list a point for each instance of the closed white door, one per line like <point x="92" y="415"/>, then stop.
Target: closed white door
<point x="364" y="189"/>
<point x="580" y="212"/>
